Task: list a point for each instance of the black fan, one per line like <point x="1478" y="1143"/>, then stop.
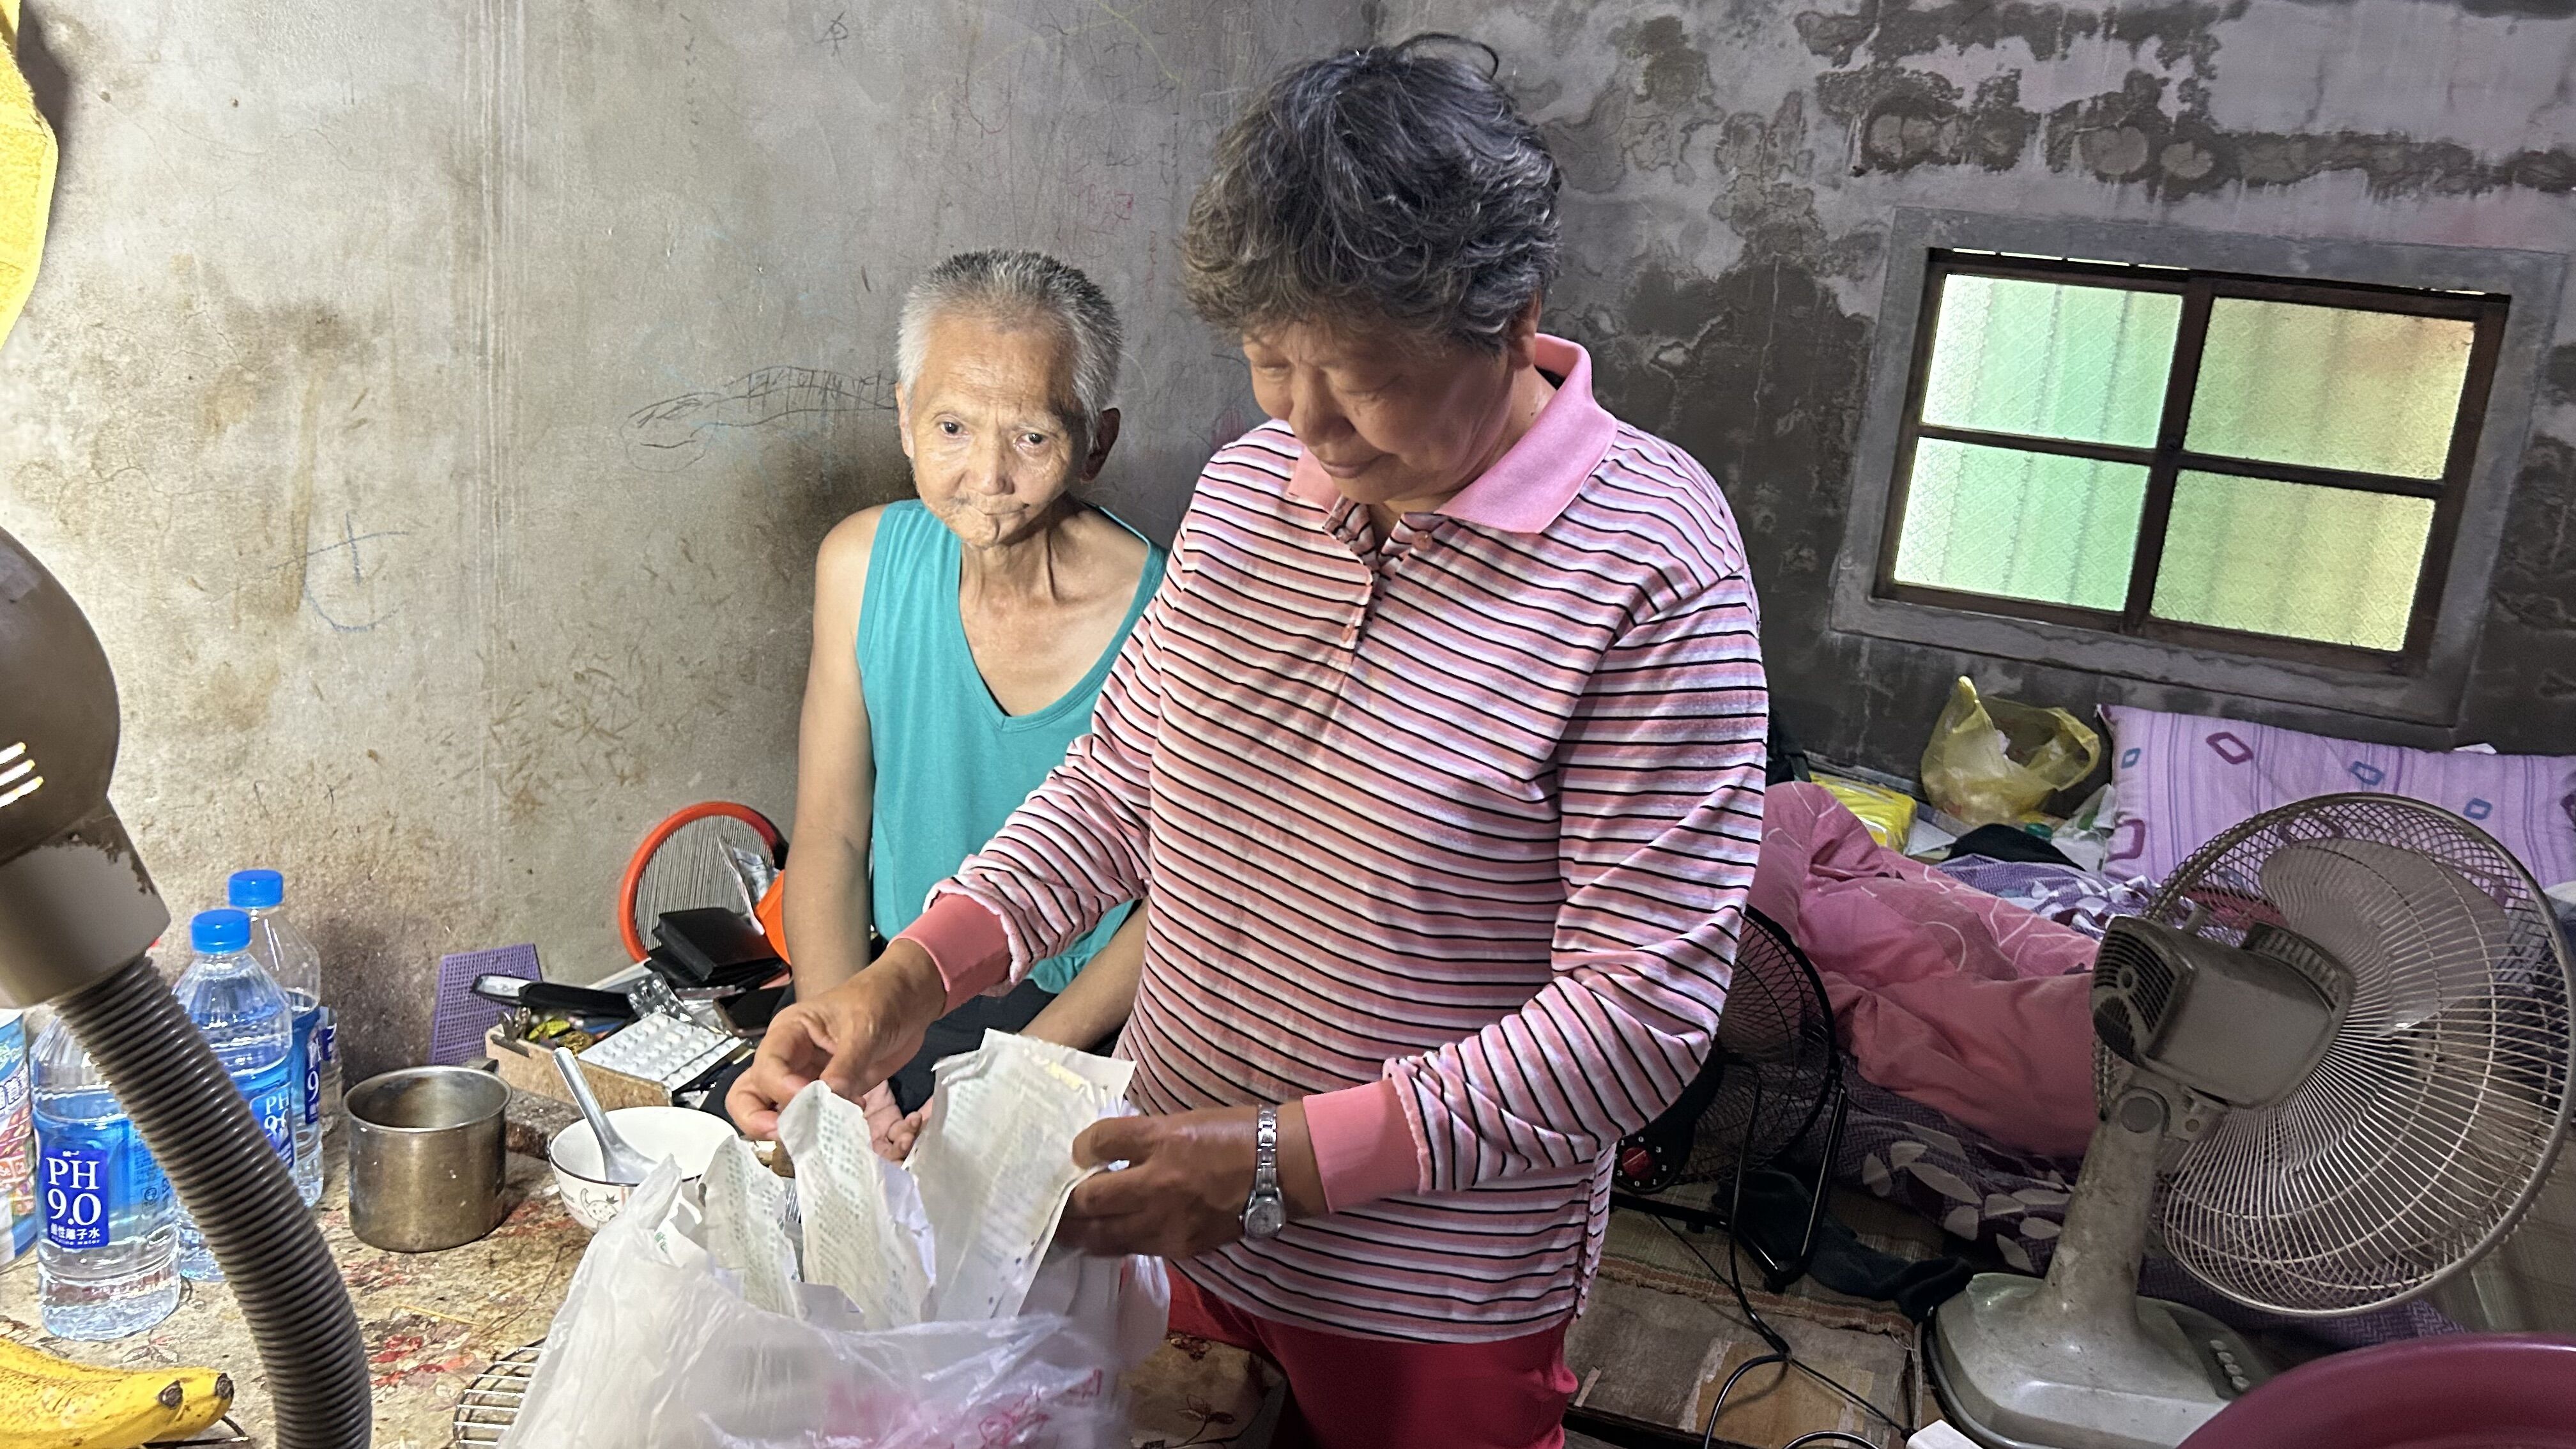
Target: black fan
<point x="1772" y="1074"/>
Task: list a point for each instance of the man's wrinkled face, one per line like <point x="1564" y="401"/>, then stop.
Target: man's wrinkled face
<point x="992" y="426"/>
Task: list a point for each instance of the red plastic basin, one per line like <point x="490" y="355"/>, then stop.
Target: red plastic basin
<point x="2459" y="1391"/>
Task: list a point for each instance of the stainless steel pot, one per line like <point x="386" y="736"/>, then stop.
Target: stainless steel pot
<point x="425" y="1157"/>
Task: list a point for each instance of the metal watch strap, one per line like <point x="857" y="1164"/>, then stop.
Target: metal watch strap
<point x="1265" y="1211"/>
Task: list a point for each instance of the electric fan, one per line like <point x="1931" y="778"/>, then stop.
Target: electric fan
<point x="1771" y="1073"/>
<point x="2333" y="1070"/>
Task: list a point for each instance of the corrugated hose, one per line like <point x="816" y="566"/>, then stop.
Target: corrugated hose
<point x="244" y="1200"/>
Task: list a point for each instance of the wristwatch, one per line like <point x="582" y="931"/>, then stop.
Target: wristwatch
<point x="1265" y="1212"/>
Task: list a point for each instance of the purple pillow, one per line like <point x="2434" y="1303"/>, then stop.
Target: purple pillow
<point x="2184" y="778"/>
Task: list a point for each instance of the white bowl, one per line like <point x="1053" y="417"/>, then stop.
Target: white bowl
<point x="688" y="1137"/>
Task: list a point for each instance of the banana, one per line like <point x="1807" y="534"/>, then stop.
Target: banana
<point x="52" y="1403"/>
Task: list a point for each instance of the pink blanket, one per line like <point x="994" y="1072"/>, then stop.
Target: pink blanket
<point x="1941" y="992"/>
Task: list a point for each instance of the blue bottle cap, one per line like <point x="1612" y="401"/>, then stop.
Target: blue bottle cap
<point x="218" y="932"/>
<point x="257" y="889"/>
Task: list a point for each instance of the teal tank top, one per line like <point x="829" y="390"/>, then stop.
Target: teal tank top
<point x="950" y="766"/>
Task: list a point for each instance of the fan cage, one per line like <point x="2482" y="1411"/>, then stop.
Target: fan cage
<point x="1767" y="1078"/>
<point x="2413" y="1146"/>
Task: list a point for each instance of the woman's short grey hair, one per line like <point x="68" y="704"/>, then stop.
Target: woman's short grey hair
<point x="1010" y="286"/>
<point x="1397" y="184"/>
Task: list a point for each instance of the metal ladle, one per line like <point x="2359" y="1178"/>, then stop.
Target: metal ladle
<point x="618" y="1163"/>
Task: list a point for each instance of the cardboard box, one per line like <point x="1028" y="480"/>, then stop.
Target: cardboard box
<point x="531" y="1068"/>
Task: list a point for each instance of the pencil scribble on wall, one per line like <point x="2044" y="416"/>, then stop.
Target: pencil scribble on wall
<point x="667" y="436"/>
<point x="360" y="601"/>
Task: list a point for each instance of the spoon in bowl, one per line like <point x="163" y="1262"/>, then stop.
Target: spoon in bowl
<point x="618" y="1162"/>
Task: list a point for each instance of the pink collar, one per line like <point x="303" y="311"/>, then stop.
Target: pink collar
<point x="1531" y="484"/>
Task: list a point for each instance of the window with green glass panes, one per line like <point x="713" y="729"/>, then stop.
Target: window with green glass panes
<point x="2250" y="463"/>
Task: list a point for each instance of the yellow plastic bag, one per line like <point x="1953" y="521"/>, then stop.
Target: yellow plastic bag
<point x="1992" y="761"/>
<point x="27" y="161"/>
<point x="1888" y="814"/>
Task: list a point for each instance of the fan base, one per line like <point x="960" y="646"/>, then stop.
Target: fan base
<point x="2014" y="1370"/>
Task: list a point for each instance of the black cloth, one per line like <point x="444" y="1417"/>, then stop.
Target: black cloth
<point x="714" y="1101"/>
<point x="959" y="1031"/>
<point x="2009" y="842"/>
<point x="1785" y="761"/>
<point x="962" y="1030"/>
<point x="1774" y="1214"/>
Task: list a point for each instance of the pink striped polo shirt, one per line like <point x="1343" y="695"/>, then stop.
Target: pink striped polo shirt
<point x="1447" y="833"/>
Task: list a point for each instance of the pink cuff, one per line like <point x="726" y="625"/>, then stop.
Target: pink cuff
<point x="965" y="942"/>
<point x="1364" y="1149"/>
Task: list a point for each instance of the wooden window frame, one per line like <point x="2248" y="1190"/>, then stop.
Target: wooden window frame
<point x="2168" y="458"/>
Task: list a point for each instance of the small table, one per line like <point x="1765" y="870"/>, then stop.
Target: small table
<point x="432" y="1321"/>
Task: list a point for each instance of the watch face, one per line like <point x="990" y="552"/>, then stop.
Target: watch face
<point x="1264" y="1217"/>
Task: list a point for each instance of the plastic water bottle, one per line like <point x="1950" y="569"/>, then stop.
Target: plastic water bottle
<point x="18" y="1133"/>
<point x="245" y="1018"/>
<point x="290" y="960"/>
<point x="108" y="1262"/>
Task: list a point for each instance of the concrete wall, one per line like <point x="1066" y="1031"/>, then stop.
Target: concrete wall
<point x="437" y="406"/>
<point x="1733" y="171"/>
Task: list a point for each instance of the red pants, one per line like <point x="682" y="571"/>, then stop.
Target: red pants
<point x="1383" y="1393"/>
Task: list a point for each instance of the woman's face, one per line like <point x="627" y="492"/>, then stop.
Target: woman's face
<point x="1398" y="423"/>
<point x="992" y="427"/>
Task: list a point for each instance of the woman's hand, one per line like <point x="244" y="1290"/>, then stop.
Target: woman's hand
<point x="890" y="1131"/>
<point x="851" y="1037"/>
<point x="1187" y="1178"/>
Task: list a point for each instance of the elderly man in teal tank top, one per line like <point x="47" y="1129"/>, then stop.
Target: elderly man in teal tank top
<point x="961" y="639"/>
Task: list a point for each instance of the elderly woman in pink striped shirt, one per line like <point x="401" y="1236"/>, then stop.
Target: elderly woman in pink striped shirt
<point x="1440" y="753"/>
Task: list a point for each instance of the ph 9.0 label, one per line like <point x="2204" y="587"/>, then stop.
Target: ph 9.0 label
<point x="74" y="1181"/>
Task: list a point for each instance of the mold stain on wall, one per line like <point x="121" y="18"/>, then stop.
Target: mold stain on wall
<point x="498" y="391"/>
<point x="1732" y="169"/>
<point x="437" y="411"/>
<point x="1757" y="369"/>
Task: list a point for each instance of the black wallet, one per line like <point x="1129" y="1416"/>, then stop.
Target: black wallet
<point x="713" y="946"/>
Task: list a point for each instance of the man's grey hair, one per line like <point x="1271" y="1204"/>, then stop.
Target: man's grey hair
<point x="1393" y="185"/>
<point x="1011" y="286"/>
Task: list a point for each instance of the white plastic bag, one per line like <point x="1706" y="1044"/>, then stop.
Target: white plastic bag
<point x="1128" y="1299"/>
<point x="655" y="1348"/>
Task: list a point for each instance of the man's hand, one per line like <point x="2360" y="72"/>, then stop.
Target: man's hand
<point x="1185" y="1183"/>
<point x="851" y="1037"/>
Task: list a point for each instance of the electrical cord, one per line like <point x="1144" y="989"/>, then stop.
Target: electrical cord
<point x="1771" y="1337"/>
<point x="1781" y="1353"/>
<point x="1873" y="1410"/>
<point x="1708" y="1435"/>
<point x="1778" y="1344"/>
